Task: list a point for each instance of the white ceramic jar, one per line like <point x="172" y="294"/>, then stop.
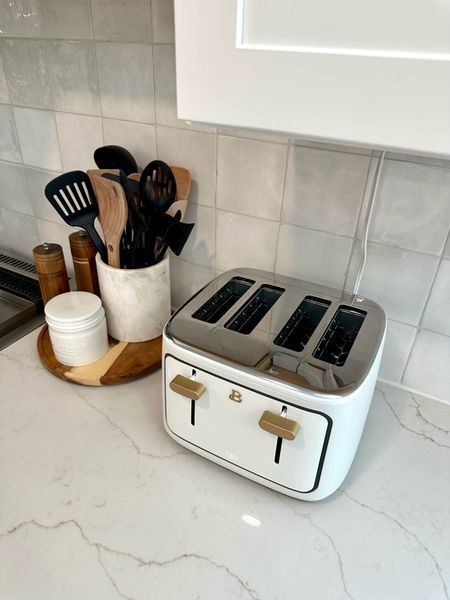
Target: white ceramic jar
<point x="77" y="327"/>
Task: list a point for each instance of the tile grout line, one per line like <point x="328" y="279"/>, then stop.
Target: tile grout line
<point x="283" y="194"/>
<point x="355" y="238"/>
<point x="153" y="71"/>
<point x="420" y="322"/>
<point x="18" y="143"/>
<point x="47" y="75"/>
<point x="97" y="73"/>
<point x="150" y="24"/>
<point x="215" y="198"/>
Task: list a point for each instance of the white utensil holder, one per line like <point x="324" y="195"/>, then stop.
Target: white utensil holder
<point x="136" y="301"/>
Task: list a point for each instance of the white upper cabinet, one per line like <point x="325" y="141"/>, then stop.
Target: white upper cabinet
<point x="355" y="71"/>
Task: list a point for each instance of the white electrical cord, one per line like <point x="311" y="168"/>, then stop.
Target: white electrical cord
<point x="373" y="193"/>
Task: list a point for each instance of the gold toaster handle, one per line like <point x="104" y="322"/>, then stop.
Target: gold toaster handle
<point x="187" y="387"/>
<point x="278" y="425"/>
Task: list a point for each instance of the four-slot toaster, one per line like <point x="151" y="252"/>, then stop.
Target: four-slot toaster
<point x="272" y="377"/>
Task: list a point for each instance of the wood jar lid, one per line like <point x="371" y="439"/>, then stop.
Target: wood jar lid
<point x="48" y="258"/>
<point x="81" y="245"/>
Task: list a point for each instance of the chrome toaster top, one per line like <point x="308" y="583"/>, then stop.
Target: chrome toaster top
<point x="273" y="346"/>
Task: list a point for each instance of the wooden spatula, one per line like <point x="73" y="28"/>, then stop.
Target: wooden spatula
<point x="183" y="179"/>
<point x="113" y="214"/>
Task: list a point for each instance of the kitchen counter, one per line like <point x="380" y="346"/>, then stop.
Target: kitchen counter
<point x="97" y="502"/>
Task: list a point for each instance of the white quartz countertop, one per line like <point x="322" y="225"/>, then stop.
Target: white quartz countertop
<point x="97" y="502"/>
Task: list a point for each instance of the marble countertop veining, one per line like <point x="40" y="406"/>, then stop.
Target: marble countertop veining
<point x="97" y="502"/>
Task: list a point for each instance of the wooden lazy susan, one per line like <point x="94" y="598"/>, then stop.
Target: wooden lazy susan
<point x="123" y="362"/>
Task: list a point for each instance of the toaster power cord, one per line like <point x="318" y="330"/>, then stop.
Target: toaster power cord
<point x="370" y="207"/>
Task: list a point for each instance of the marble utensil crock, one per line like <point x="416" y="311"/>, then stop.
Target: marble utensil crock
<point x="136" y="301"/>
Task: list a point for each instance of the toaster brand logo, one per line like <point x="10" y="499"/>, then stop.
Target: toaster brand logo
<point x="235" y="396"/>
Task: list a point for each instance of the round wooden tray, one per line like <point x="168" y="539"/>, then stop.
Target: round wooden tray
<point x="123" y="362"/>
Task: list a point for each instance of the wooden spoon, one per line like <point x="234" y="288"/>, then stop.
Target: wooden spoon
<point x="113" y="214"/>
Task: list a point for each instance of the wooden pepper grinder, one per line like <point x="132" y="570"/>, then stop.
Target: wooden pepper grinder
<point x="83" y="256"/>
<point x="51" y="269"/>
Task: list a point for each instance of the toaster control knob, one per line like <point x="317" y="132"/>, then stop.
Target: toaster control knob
<point x="279" y="425"/>
<point x="187" y="387"/>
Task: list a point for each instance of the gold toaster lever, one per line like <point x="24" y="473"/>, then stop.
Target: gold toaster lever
<point x="278" y="425"/>
<point x="187" y="387"/>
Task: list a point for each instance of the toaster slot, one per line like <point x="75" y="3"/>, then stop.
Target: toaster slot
<point x="302" y="323"/>
<point x="340" y="335"/>
<point x="249" y="315"/>
<point x="214" y="308"/>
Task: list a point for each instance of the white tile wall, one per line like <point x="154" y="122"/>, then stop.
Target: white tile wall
<point x="244" y="241"/>
<point x="163" y="22"/>
<point x="120" y="21"/>
<point x="73" y="76"/>
<point x="9" y="142"/>
<point x="66" y="19"/>
<point x="200" y="248"/>
<point x="437" y="311"/>
<point x="324" y="189"/>
<point x="413" y="210"/>
<point x="165" y="85"/>
<point x="138" y="138"/>
<point x="79" y="136"/>
<point x="313" y="255"/>
<point x="397" y="279"/>
<point x="126" y="81"/>
<point x="250" y="176"/>
<point x="21" y="231"/>
<point x="14" y="188"/>
<point x="258" y="198"/>
<point x="186" y="278"/>
<point x="428" y="366"/>
<point x="447" y="249"/>
<point x="4" y="242"/>
<point x="26" y="72"/>
<point x="37" y="136"/>
<point x="37" y="179"/>
<point x="195" y="151"/>
<point x="19" y="18"/>
<point x="4" y="93"/>
<point x="398" y="344"/>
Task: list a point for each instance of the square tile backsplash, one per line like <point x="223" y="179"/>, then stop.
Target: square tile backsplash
<point x="75" y="75"/>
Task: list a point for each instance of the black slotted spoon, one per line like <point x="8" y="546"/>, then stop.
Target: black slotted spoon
<point x="157" y="186"/>
<point x="73" y="198"/>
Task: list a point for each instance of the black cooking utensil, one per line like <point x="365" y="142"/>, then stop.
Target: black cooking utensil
<point x="133" y="185"/>
<point x="175" y="238"/>
<point x="73" y="198"/>
<point x="115" y="157"/>
<point x="157" y="186"/>
<point x="138" y="223"/>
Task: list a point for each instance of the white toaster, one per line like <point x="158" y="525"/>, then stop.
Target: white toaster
<point x="272" y="378"/>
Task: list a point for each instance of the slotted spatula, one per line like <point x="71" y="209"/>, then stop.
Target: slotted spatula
<point x="113" y="215"/>
<point x="73" y="198"/>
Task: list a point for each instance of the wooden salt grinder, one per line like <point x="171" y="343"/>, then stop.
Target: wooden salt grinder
<point x="83" y="256"/>
<point x="51" y="269"/>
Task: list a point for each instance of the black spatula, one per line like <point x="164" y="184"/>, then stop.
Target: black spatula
<point x="115" y="157"/>
<point x="73" y="198"/>
<point x="175" y="237"/>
